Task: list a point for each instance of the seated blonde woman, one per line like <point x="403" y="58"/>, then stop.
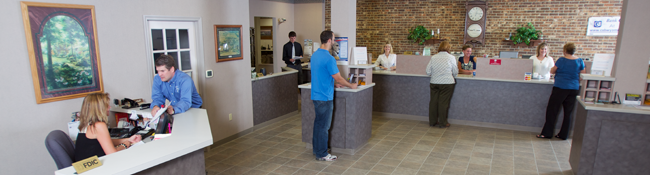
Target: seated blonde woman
<point x="388" y="60"/>
<point x="93" y="138"/>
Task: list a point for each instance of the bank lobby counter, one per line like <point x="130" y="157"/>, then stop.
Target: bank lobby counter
<point x="351" y="119"/>
<point x="274" y="95"/>
<point x="610" y="139"/>
<point x="485" y="102"/>
<point x="180" y="153"/>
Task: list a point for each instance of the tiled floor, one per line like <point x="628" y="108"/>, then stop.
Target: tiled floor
<point x="396" y="147"/>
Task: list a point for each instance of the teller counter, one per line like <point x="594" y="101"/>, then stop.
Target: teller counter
<point x="180" y="153"/>
<point x="351" y="118"/>
<point x="485" y="102"/>
<point x="610" y="139"/>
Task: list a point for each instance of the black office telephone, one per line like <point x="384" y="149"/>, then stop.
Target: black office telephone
<point x="127" y="103"/>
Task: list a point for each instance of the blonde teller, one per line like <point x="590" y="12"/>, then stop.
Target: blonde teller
<point x="542" y="62"/>
<point x="388" y="60"/>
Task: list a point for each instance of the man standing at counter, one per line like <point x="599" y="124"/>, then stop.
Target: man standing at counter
<point x="290" y="51"/>
<point x="172" y="85"/>
<point x="323" y="74"/>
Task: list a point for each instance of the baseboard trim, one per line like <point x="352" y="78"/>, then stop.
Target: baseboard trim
<point x="254" y="128"/>
<point x="458" y="122"/>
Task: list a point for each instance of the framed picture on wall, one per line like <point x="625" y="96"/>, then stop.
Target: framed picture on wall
<point x="63" y="50"/>
<point x="228" y="42"/>
<point x="266" y="32"/>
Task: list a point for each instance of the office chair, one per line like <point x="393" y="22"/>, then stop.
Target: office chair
<point x="61" y="148"/>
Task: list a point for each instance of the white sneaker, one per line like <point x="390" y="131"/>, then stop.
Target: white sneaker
<point x="329" y="157"/>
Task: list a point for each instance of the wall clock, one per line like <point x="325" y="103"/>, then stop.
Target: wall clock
<point x="475" y="19"/>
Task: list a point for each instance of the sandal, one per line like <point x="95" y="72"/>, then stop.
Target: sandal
<point x="557" y="136"/>
<point x="433" y="124"/>
<point x="542" y="137"/>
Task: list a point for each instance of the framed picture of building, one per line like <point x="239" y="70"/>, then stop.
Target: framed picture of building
<point x="228" y="42"/>
<point x="63" y="50"/>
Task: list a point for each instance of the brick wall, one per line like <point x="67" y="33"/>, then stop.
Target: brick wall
<point x="561" y="21"/>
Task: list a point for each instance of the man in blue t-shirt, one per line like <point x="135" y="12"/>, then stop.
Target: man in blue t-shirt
<point x="323" y="74"/>
<point x="173" y="85"/>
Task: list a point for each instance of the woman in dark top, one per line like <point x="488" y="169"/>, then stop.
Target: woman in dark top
<point x="94" y="138"/>
<point x="467" y="63"/>
<point x="567" y="71"/>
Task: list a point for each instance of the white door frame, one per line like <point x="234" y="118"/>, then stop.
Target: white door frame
<point x="198" y="27"/>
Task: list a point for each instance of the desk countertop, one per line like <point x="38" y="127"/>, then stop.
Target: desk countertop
<point x="465" y="77"/>
<point x="289" y="71"/>
<point x="191" y="132"/>
<point x="621" y="108"/>
<point x="344" y="89"/>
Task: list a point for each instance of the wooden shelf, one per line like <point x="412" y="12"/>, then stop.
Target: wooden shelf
<point x="533" y="43"/>
<point x="434" y="41"/>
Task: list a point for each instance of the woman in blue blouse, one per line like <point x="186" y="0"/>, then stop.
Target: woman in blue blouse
<point x="567" y="71"/>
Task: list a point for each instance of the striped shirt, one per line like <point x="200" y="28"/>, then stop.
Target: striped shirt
<point x="442" y="68"/>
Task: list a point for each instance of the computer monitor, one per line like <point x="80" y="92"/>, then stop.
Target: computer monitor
<point x="504" y="54"/>
<point x="163" y="122"/>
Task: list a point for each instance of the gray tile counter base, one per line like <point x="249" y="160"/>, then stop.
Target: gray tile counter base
<point x="192" y="163"/>
<point x="498" y="102"/>
<point x="274" y="97"/>
<point x="610" y="143"/>
<point x="351" y="120"/>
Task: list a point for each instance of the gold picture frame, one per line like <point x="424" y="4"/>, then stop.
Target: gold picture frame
<point x="228" y="43"/>
<point x="63" y="50"/>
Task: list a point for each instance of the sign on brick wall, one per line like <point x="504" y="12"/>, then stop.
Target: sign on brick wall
<point x="603" y="26"/>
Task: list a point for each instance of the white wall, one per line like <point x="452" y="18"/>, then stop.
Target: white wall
<point x="122" y="47"/>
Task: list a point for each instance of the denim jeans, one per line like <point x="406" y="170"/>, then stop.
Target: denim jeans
<point x="322" y="123"/>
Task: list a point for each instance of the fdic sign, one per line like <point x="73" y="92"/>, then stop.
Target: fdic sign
<point x="603" y="26"/>
<point x="86" y="164"/>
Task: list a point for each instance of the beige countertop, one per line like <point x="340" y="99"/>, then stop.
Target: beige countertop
<point x="289" y="71"/>
<point x="596" y="77"/>
<point x="466" y="77"/>
<point x="343" y="89"/>
<point x="621" y="108"/>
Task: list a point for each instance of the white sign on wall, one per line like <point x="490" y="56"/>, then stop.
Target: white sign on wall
<point x="603" y="26"/>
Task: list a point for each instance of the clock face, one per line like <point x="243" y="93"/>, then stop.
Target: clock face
<point x="475" y="14"/>
<point x="474" y="30"/>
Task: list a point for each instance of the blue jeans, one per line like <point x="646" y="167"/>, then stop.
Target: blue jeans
<point x="322" y="123"/>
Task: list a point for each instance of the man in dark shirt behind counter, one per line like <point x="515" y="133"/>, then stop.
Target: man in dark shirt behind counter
<point x="291" y="50"/>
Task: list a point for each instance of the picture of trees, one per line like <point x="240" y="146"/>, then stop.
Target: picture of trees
<point x="65" y="53"/>
<point x="63" y="50"/>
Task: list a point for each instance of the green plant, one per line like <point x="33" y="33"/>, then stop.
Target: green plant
<point x="419" y="34"/>
<point x="525" y="33"/>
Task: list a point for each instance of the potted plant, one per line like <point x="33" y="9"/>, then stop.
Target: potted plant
<point x="525" y="33"/>
<point x="419" y="34"/>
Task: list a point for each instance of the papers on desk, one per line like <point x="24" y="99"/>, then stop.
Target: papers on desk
<point x="134" y="115"/>
<point x="161" y="111"/>
<point x="73" y="130"/>
<point x="136" y="144"/>
<point x="160" y="136"/>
